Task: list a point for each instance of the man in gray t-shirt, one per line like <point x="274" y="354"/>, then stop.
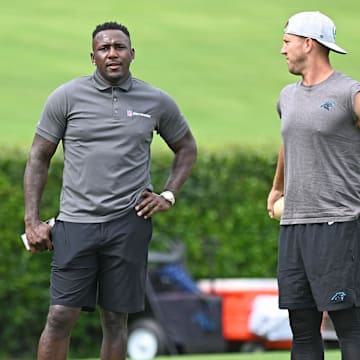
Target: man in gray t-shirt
<point x="318" y="174"/>
<point x="105" y="123"/>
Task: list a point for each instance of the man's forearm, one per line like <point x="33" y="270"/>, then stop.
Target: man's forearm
<point x="278" y="182"/>
<point x="35" y="178"/>
<point x="36" y="175"/>
<point x="182" y="165"/>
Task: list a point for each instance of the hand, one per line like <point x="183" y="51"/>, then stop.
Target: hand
<point x="39" y="236"/>
<point x="274" y="195"/>
<point x="150" y="204"/>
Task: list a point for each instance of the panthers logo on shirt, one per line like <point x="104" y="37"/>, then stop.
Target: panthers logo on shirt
<point x="328" y="105"/>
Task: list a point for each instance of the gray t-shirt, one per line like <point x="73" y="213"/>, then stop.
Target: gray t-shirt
<point x="321" y="151"/>
<point x="106" y="132"/>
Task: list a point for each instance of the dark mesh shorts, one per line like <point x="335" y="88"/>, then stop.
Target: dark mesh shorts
<point x="103" y="262"/>
<point x="319" y="266"/>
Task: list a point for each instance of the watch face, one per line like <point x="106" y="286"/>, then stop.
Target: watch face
<point x="169" y="196"/>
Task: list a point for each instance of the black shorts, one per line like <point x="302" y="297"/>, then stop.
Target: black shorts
<point x="319" y="266"/>
<point x="102" y="262"/>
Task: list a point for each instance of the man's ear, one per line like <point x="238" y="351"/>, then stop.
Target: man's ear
<point x="309" y="44"/>
<point x="132" y="54"/>
<point x="92" y="58"/>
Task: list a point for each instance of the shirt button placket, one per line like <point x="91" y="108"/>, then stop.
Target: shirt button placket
<point x="115" y="102"/>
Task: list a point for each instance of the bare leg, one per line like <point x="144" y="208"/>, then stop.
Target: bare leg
<point x="114" y="342"/>
<point x="54" y="340"/>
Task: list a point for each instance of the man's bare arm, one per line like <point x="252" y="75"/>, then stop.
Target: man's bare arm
<point x="357" y="109"/>
<point x="277" y="189"/>
<point x="185" y="156"/>
<point x="35" y="178"/>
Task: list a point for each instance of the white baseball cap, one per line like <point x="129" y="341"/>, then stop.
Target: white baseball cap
<point x="314" y="25"/>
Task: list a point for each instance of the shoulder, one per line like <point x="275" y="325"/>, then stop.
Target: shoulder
<point x="141" y="84"/>
<point x="340" y="78"/>
<point x="155" y="92"/>
<point x="72" y="85"/>
<point x="138" y="84"/>
<point x="64" y="94"/>
<point x="288" y="91"/>
<point x="345" y="86"/>
<point x="337" y="75"/>
<point x="289" y="87"/>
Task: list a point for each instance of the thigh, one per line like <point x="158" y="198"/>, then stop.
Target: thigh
<point x="346" y="321"/>
<point x="331" y="255"/>
<point x="294" y="287"/>
<point x="74" y="265"/>
<point x="123" y="263"/>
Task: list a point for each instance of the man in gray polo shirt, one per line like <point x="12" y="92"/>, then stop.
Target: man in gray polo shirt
<point x="100" y="239"/>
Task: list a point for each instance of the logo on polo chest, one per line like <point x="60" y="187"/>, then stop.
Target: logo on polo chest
<point x="131" y="113"/>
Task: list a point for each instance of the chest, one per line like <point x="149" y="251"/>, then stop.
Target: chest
<point x="321" y="113"/>
<point x="111" y="114"/>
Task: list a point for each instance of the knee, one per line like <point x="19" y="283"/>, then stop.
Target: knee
<point x="114" y="322"/>
<point x="61" y="319"/>
<point x="305" y="324"/>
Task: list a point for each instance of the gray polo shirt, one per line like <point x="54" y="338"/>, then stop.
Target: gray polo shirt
<point x="106" y="132"/>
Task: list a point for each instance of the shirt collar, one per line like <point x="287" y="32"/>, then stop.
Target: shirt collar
<point x="102" y="84"/>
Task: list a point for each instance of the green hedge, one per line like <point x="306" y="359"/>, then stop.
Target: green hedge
<point x="220" y="215"/>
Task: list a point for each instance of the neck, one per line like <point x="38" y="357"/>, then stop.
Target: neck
<point x="317" y="72"/>
<point x="115" y="82"/>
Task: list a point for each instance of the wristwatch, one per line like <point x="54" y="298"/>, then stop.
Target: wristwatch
<point x="169" y="196"/>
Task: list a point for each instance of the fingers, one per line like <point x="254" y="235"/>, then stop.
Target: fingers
<point x="39" y="238"/>
<point x="270" y="207"/>
<point x="271" y="213"/>
<point x="272" y="199"/>
<point x="151" y="204"/>
<point x="147" y="208"/>
<point x="41" y="246"/>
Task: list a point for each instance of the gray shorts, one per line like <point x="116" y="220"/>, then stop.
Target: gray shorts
<point x="102" y="262"/>
<point x="319" y="266"/>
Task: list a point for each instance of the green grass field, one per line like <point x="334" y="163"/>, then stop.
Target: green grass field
<point x="283" y="355"/>
<point x="273" y="355"/>
<point x="219" y="59"/>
